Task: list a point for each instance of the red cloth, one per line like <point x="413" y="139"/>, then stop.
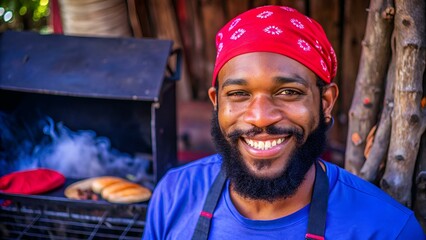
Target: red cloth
<point x="281" y="30"/>
<point x="33" y="181"/>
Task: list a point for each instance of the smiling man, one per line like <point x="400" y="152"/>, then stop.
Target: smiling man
<point x="273" y="94"/>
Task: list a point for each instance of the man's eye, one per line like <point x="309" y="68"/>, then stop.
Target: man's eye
<point x="237" y="94"/>
<point x="289" y="92"/>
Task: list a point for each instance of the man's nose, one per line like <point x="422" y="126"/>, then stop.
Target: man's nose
<point x="262" y="112"/>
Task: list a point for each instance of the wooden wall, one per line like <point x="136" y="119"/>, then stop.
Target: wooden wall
<point x="194" y="23"/>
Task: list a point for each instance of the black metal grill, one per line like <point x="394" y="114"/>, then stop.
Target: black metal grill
<point x="120" y="88"/>
<point x="54" y="217"/>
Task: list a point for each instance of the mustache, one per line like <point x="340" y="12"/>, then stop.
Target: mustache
<point x="271" y="130"/>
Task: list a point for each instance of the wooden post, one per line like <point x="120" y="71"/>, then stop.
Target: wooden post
<point x="408" y="118"/>
<point x="369" y="83"/>
<point x="377" y="155"/>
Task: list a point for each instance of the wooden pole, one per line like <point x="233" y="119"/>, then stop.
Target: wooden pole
<point x="369" y="83"/>
<point x="408" y="118"/>
<point x="377" y="155"/>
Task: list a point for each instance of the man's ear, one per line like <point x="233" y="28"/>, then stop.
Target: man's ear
<point x="213" y="97"/>
<point x="329" y="97"/>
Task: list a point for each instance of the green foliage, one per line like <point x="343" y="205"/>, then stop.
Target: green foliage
<point x="24" y="15"/>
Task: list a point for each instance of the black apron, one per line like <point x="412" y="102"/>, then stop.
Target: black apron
<point x="317" y="211"/>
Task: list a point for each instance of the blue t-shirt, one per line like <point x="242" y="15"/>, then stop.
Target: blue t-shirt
<point x="357" y="210"/>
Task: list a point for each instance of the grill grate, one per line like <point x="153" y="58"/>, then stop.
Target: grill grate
<point x="59" y="221"/>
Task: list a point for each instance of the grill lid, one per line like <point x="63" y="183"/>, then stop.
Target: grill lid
<point x="114" y="68"/>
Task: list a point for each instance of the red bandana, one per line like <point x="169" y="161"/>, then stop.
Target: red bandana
<point x="280" y="30"/>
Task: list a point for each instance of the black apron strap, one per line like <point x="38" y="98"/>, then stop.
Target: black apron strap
<point x="318" y="208"/>
<point x="317" y="212"/>
<point x="203" y="225"/>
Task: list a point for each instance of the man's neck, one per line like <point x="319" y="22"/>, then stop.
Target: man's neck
<point x="264" y="210"/>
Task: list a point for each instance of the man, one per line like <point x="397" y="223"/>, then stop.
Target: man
<point x="273" y="96"/>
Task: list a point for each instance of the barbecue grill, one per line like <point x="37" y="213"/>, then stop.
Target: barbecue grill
<point x="52" y="216"/>
<point x="122" y="89"/>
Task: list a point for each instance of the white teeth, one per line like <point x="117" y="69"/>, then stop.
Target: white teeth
<point x="264" y="145"/>
<point x="268" y="144"/>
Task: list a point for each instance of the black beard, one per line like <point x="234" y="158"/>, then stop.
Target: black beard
<point x="292" y="175"/>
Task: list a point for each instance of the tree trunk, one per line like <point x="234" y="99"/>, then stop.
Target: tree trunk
<point x="408" y="118"/>
<point x="369" y="83"/>
<point x="377" y="154"/>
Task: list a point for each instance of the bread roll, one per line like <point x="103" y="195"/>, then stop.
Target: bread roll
<point x="118" y="186"/>
<point x="102" y="182"/>
<point x="130" y="195"/>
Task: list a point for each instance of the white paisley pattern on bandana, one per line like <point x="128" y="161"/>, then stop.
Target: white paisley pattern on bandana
<point x="274" y="30"/>
<point x="318" y="46"/>
<point x="324" y="67"/>
<point x="265" y="14"/>
<point x="297" y="23"/>
<point x="288" y="9"/>
<point x="219" y="49"/>
<point x="234" y="23"/>
<point x="333" y="55"/>
<point x="304" y="45"/>
<point x="237" y="34"/>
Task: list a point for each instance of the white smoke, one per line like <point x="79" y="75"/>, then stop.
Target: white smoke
<point x="79" y="154"/>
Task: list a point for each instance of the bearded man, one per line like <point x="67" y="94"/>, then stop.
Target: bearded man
<point x="273" y="94"/>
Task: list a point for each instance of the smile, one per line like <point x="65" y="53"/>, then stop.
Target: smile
<point x="264" y="145"/>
